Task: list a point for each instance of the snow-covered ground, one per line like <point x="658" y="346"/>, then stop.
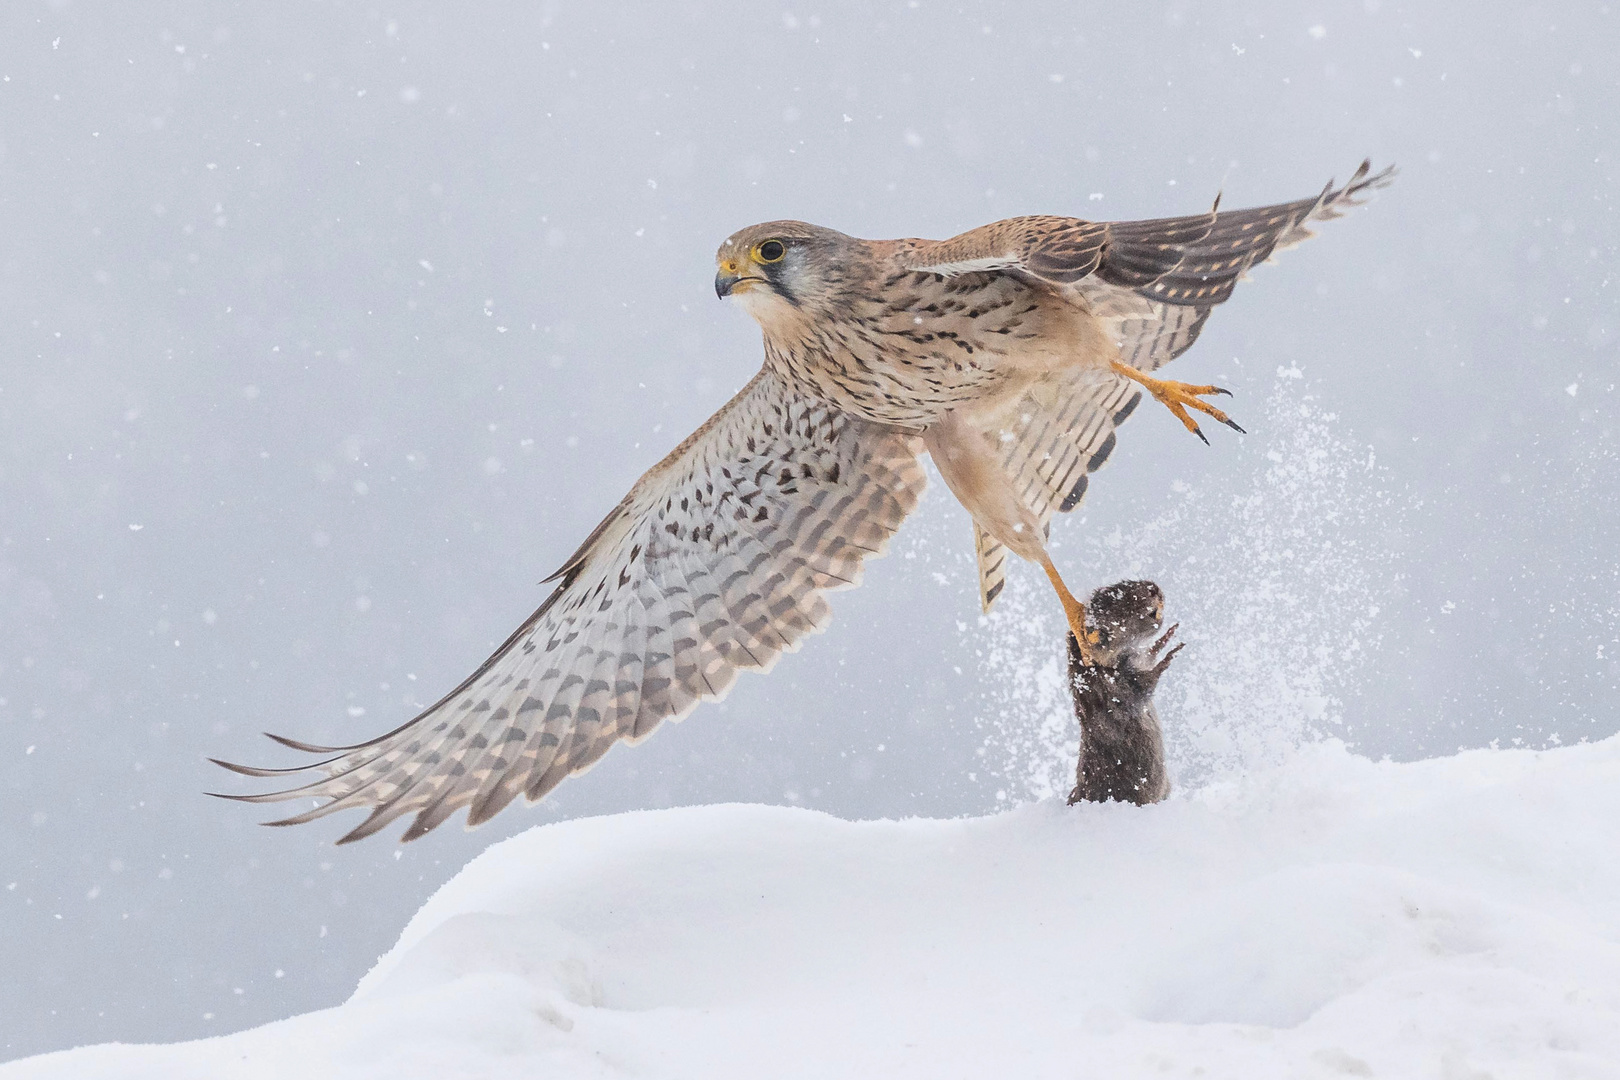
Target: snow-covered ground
<point x="1331" y="916"/>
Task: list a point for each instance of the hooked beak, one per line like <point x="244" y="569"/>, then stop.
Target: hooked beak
<point x="730" y="280"/>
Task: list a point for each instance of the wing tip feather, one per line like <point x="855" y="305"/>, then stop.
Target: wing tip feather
<point x="226" y="795"/>
<point x="262" y="773"/>
<point x="308" y="748"/>
<point x="1332" y="203"/>
<point x="255" y="798"/>
<point x="375" y="822"/>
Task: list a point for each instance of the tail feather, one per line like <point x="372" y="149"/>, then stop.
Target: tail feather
<point x="992" y="559"/>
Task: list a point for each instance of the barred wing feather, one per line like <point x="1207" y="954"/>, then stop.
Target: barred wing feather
<point x="1152" y="283"/>
<point x="713" y="564"/>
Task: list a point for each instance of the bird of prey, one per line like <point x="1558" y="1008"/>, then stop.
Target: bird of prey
<point x="1009" y="353"/>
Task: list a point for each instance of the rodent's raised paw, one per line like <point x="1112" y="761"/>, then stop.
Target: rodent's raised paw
<point x="1164" y="662"/>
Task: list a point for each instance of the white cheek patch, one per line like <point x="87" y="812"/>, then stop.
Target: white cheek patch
<point x="758" y="300"/>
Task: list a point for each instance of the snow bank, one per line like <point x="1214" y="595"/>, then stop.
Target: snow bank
<point x="1331" y="916"/>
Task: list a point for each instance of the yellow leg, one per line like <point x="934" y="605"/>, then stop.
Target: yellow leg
<point x="1073" y="610"/>
<point x="1178" y="397"/>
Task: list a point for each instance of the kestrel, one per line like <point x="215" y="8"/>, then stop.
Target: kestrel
<point x="1009" y="353"/>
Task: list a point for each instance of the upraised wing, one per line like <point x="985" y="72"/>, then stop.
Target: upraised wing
<point x="1152" y="283"/>
<point x="713" y="564"/>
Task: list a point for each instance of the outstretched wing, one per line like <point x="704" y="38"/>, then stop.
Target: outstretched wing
<point x="713" y="564"/>
<point x="1151" y="283"/>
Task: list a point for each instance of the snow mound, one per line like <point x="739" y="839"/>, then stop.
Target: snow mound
<point x="1327" y="917"/>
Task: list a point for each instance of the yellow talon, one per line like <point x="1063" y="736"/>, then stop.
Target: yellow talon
<point x="1180" y="396"/>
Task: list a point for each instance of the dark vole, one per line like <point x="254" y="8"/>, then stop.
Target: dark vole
<point x="1121" y="746"/>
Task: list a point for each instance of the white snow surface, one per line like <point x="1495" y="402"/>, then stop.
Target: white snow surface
<point x="1329" y="916"/>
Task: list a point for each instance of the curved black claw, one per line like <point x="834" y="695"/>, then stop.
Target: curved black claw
<point x="1220" y="390"/>
<point x="1198" y="431"/>
<point x="1234" y="426"/>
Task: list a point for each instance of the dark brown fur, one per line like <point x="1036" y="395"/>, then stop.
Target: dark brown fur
<point x="1121" y="745"/>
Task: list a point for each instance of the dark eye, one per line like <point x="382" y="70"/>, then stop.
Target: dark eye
<point x="770" y="251"/>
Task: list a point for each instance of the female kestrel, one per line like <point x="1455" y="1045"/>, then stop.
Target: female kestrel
<point x="1010" y="353"/>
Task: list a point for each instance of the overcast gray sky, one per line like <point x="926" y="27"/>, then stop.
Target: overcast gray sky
<point x="328" y="329"/>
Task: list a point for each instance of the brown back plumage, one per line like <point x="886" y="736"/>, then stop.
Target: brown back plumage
<point x="1151" y="285"/>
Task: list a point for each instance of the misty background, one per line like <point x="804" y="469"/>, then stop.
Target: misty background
<point x="328" y="329"/>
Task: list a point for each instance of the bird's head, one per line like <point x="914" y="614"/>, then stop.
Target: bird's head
<point x="1125" y="615"/>
<point x="782" y="267"/>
